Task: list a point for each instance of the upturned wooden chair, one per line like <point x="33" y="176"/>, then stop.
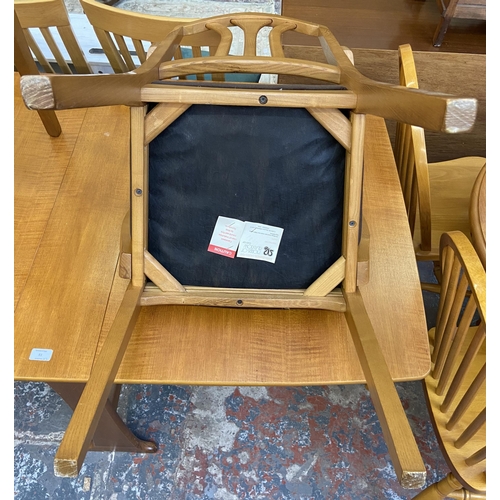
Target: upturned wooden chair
<point x="456" y="388"/>
<point x="204" y="149"/>
<point x="437" y="195"/>
<point x="126" y="36"/>
<point x="43" y="15"/>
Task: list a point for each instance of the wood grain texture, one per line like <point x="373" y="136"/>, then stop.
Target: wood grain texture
<point x="66" y="293"/>
<point x="398" y="435"/>
<point x="207" y="345"/>
<point x="386" y="24"/>
<point x="38" y="174"/>
<point x="83" y="423"/>
<point x="459" y="74"/>
<point x="211" y="346"/>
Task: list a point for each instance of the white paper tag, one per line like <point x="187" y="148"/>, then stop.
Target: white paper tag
<point x="41" y="354"/>
<point x="260" y="242"/>
<point x="226" y="236"/>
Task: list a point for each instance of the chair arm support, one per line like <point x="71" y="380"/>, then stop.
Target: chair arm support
<point x="398" y="435"/>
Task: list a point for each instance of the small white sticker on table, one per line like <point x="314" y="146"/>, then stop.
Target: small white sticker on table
<point x="260" y="242"/>
<point x="41" y="354"/>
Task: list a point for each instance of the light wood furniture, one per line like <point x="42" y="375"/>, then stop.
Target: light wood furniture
<point x="477" y="214"/>
<point x="181" y="344"/>
<point x="115" y="27"/>
<point x="460" y="74"/>
<point x="337" y="290"/>
<point x="437" y="195"/>
<point x="25" y="65"/>
<point x="46" y="14"/>
<point x="457" y="9"/>
<point x="456" y="387"/>
<point x="126" y="36"/>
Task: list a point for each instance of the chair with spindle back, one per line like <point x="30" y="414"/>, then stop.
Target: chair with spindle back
<point x="43" y="15"/>
<point x="456" y="387"/>
<point x="125" y="37"/>
<point x="437" y="195"/>
<point x="274" y="154"/>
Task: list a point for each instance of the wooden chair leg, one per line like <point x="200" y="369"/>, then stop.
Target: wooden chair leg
<point x="440" y="490"/>
<point x="444" y="23"/>
<point x="83" y="424"/>
<point x="398" y="435"/>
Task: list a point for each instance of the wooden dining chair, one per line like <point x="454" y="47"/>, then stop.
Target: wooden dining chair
<point x="45" y="14"/>
<point x="455" y="389"/>
<point x="269" y="154"/>
<point x="25" y="65"/>
<point x="437" y="195"/>
<point x="126" y="36"/>
<point x="457" y="9"/>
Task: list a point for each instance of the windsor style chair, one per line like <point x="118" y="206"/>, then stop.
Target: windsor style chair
<point x="279" y="162"/>
<point x="456" y="387"/>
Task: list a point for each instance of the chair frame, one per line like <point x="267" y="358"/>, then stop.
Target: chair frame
<point x="455" y="389"/>
<point x="414" y="173"/>
<point x="337" y="289"/>
<point x="113" y="26"/>
<point x="44" y="15"/>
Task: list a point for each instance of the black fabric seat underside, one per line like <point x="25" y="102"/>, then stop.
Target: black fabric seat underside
<point x="276" y="166"/>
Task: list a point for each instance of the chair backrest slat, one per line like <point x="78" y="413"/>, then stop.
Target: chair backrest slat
<point x="456" y="345"/>
<point x="139" y="49"/>
<point x="46" y="14"/>
<point x="125" y="52"/>
<point x="466" y="400"/>
<point x="471" y="429"/>
<point x="411" y="157"/>
<point x="37" y="52"/>
<point x="47" y="35"/>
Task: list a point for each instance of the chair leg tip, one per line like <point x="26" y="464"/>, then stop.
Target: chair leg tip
<point x="413" y="480"/>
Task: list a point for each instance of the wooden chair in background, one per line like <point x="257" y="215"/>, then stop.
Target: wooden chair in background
<point x="159" y="107"/>
<point x="437" y="195"/>
<point x="126" y="36"/>
<point x="456" y="388"/>
<point x="25" y="65"/>
<point x="43" y="15"/>
<point x="457" y="9"/>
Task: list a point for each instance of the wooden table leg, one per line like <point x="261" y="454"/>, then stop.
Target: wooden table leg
<point x="111" y="434"/>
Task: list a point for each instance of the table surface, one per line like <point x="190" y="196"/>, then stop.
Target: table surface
<point x="71" y="195"/>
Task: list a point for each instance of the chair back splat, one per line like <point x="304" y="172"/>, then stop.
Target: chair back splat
<point x="283" y="163"/>
<point x="456" y="388"/>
